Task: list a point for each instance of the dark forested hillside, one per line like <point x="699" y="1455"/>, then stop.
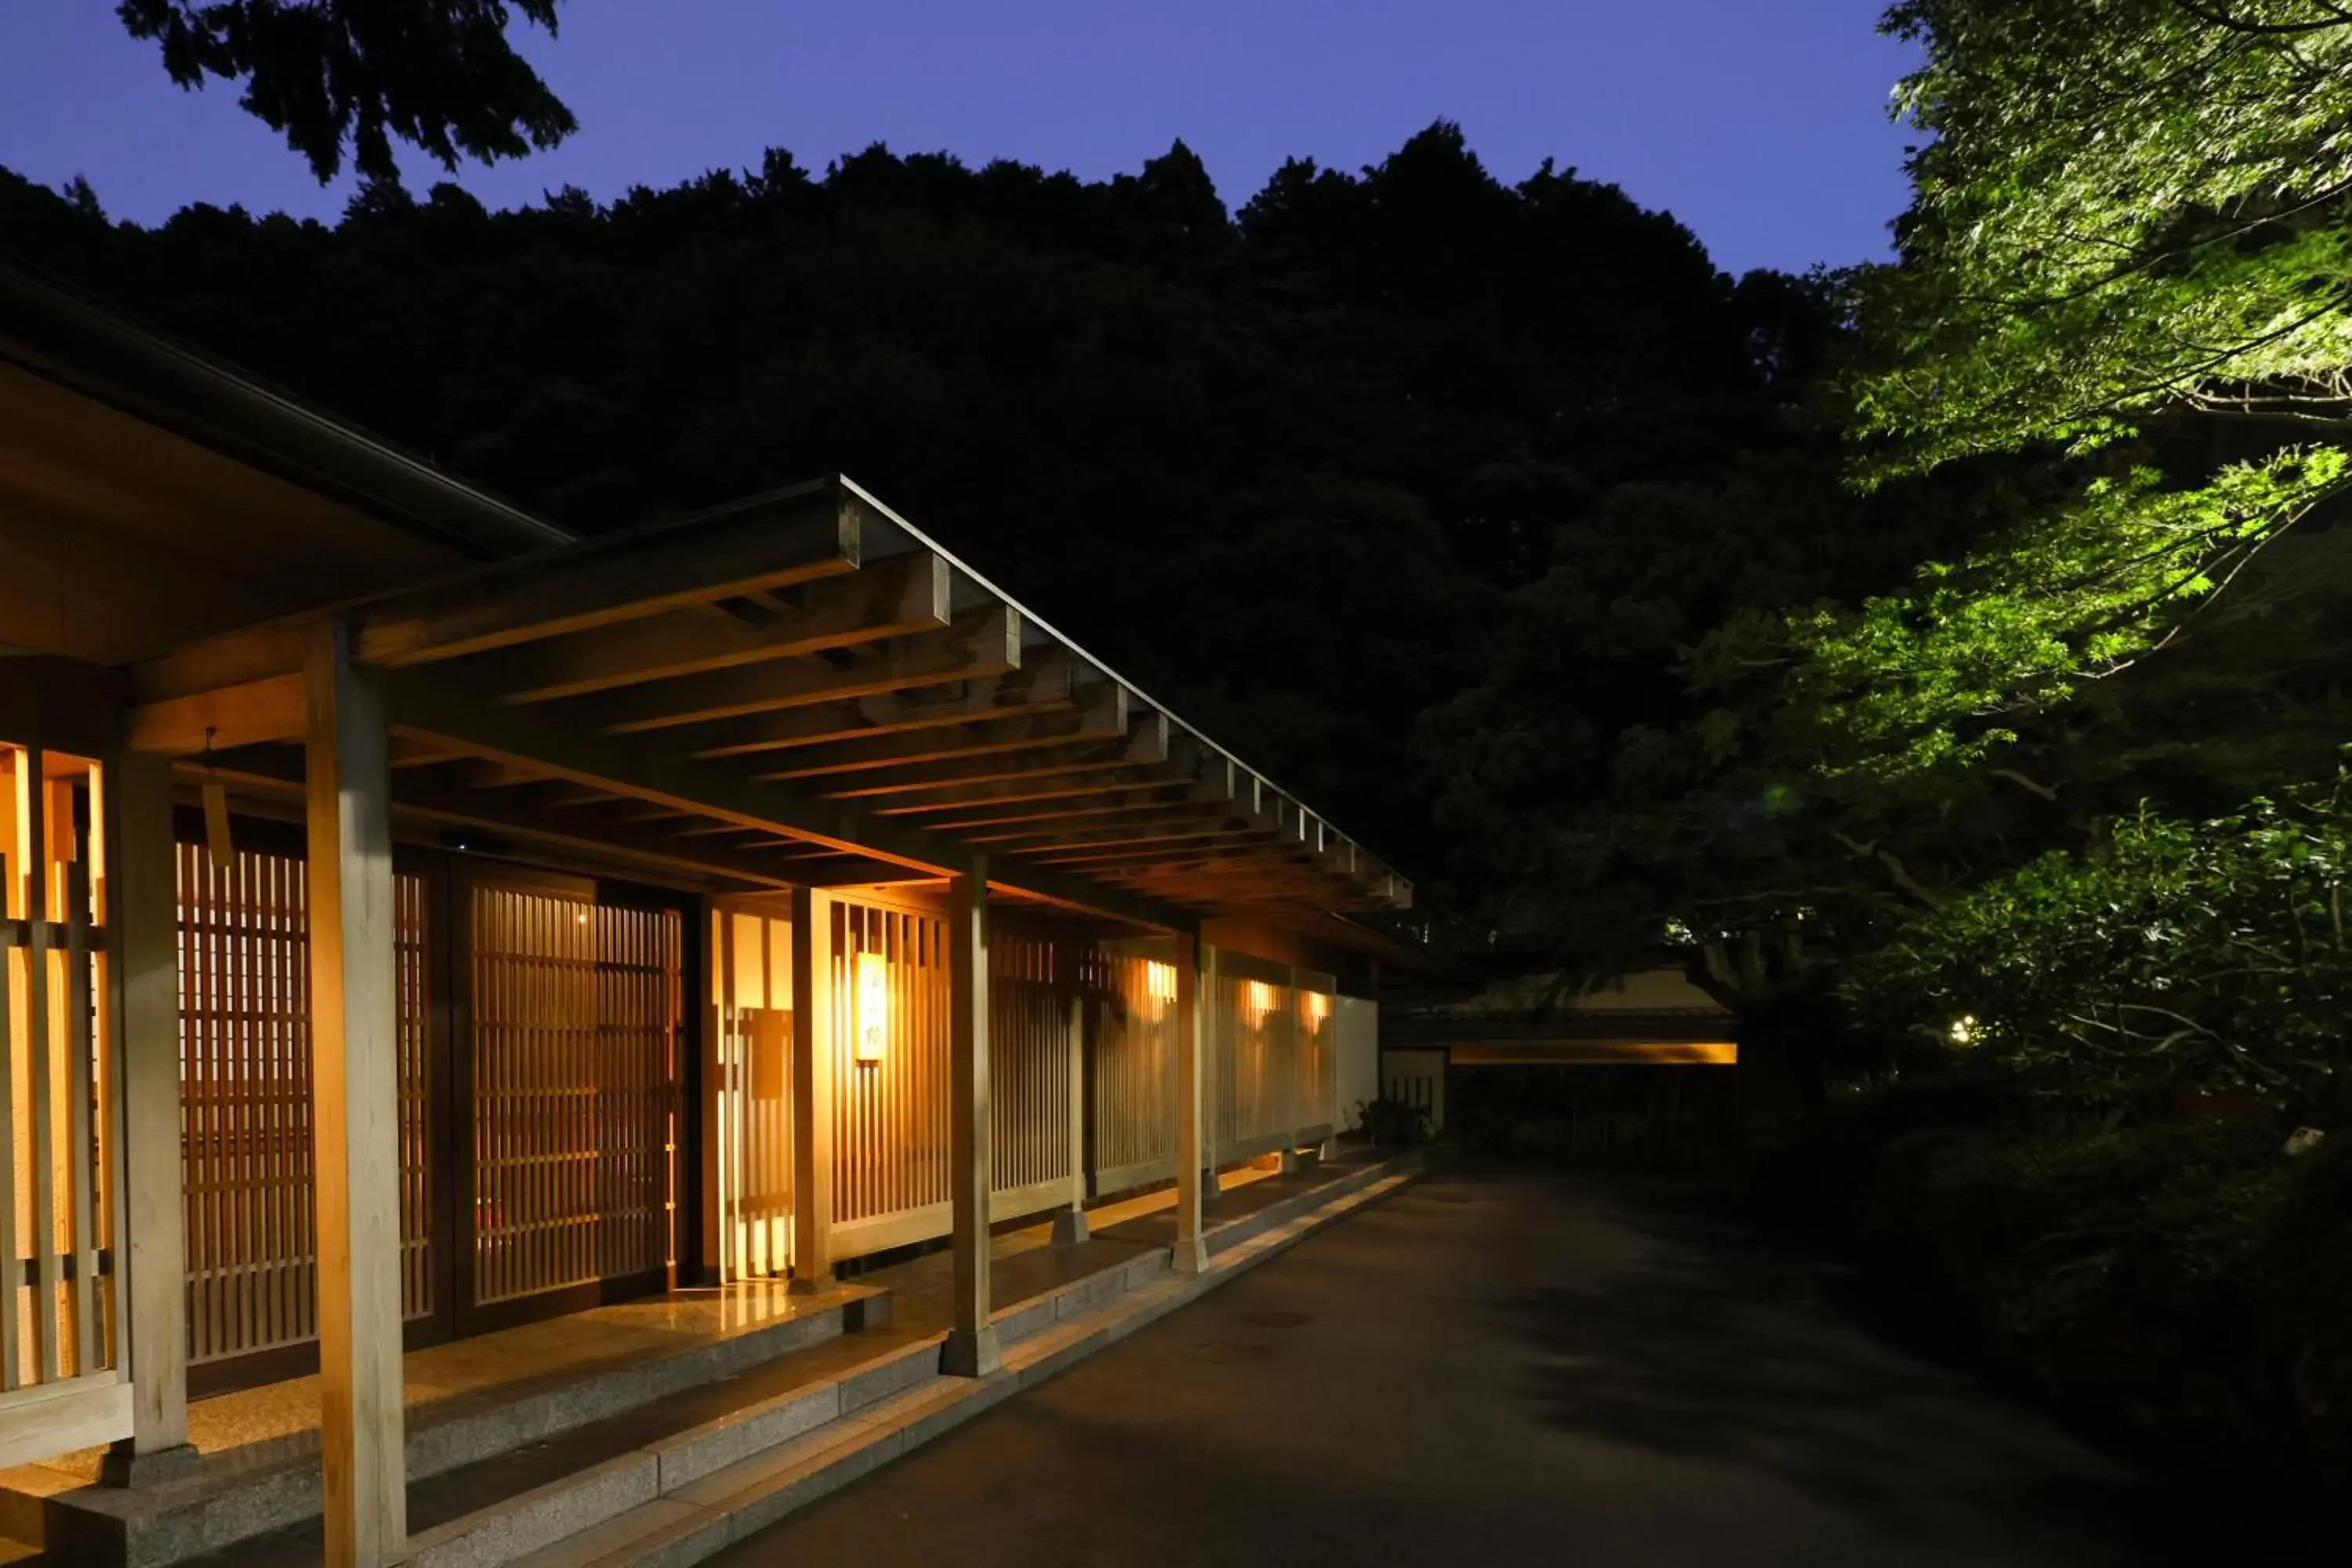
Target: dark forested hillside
<point x="1278" y="463"/>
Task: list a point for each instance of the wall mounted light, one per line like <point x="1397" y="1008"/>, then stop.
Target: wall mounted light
<point x="873" y="1018"/>
<point x="1159" y="987"/>
<point x="1258" y="997"/>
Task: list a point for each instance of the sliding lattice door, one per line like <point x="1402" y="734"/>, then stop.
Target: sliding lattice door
<point x="574" y="1011"/>
<point x="246" y="1154"/>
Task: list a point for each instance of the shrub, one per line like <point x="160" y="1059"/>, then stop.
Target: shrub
<point x="2207" y="957"/>
<point x="2187" y="1288"/>
<point x="1390" y="1120"/>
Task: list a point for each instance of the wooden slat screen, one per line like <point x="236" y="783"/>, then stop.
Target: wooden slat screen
<point x="1029" y="1048"/>
<point x="247" y="1154"/>
<point x="1271" y="1073"/>
<point x="57" y="1317"/>
<point x="1129" y="996"/>
<point x="1316" y="1102"/>
<point x="891" y="1117"/>
<point x="575" y="1035"/>
<point x="751" y="1004"/>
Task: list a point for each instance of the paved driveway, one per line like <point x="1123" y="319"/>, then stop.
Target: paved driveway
<point x="1501" y="1369"/>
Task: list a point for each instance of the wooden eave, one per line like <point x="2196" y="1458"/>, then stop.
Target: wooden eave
<point x="800" y="687"/>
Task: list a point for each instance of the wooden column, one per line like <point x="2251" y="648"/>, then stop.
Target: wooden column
<point x="1070" y="1222"/>
<point x="971" y="1348"/>
<point x="719" y="1132"/>
<point x="813" y="1032"/>
<point x="1192" y="1253"/>
<point x="355" y="1109"/>
<point x="143" y="911"/>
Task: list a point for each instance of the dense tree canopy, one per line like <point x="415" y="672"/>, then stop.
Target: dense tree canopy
<point x="337" y="76"/>
<point x="2126" y="255"/>
<point x="2104" y="380"/>
<point x="1281" y="464"/>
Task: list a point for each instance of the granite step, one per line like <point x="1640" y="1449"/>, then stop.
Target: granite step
<point x="271" y="1489"/>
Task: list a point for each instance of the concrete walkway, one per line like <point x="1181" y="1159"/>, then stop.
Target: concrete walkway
<point x="1503" y="1370"/>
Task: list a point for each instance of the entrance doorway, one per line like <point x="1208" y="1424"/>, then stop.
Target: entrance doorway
<point x="542" y="1042"/>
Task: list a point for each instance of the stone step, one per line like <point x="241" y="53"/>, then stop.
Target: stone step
<point x="241" y="1494"/>
<point x="905" y="1378"/>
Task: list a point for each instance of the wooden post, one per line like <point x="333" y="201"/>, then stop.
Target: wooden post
<point x="142" y="910"/>
<point x="812" y="1031"/>
<point x="32" y="818"/>
<point x="1070" y="1222"/>
<point x="355" y="1107"/>
<point x="722" y="1134"/>
<point x="1192" y="1252"/>
<point x="971" y="1349"/>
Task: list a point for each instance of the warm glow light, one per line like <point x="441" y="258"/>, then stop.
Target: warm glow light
<point x="873" y="1023"/>
<point x="1964" y="1031"/>
<point x="1158" y="985"/>
<point x="1258" y="997"/>
<point x="1315" y="1004"/>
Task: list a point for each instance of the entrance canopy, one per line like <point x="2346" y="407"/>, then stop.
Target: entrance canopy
<point x="798" y="690"/>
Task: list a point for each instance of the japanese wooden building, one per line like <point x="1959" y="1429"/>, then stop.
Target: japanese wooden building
<point x="418" y="919"/>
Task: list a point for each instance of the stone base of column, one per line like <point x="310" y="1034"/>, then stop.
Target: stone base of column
<point x="807" y="1284"/>
<point x="1070" y="1227"/>
<point x="122" y="1467"/>
<point x="1288" y="1163"/>
<point x="1191" y="1256"/>
<point x="972" y="1353"/>
<point x="1209" y="1187"/>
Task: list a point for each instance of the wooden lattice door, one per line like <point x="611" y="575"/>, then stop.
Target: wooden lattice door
<point x="574" y="1004"/>
<point x="247" y="1155"/>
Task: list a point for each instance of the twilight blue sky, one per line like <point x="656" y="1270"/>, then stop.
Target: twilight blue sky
<point x="1760" y="124"/>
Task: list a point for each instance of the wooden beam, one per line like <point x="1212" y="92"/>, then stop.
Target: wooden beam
<point x="1117" y="847"/>
<point x="896" y="597"/>
<point x="962" y="795"/>
<point x="978" y="642"/>
<point x="421" y="705"/>
<point x="268" y="709"/>
<point x="1100" y="716"/>
<point x="1146" y="745"/>
<point x="233" y="658"/>
<point x="1100" y="824"/>
<point x="1046" y="685"/>
<point x="1169" y="795"/>
<point x="355" y="1109"/>
<point x="669" y="852"/>
<point x="795" y="537"/>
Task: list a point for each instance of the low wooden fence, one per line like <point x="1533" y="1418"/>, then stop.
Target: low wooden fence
<point x="1082" y="1072"/>
<point x="61" y="1379"/>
